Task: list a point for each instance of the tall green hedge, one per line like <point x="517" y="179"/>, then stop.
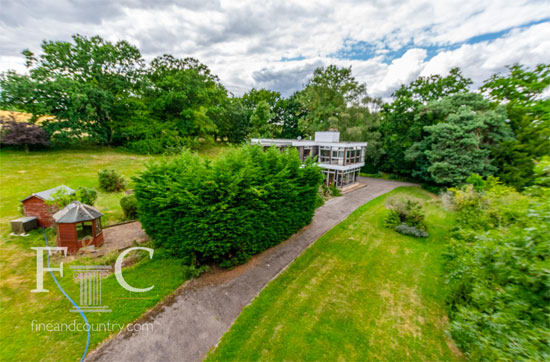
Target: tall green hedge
<point x="227" y="210"/>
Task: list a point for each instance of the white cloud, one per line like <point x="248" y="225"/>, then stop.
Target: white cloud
<point x="243" y="41"/>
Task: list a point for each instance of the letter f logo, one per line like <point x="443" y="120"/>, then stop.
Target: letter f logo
<point x="40" y="266"/>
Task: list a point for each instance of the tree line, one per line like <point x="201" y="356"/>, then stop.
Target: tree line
<point x="436" y="130"/>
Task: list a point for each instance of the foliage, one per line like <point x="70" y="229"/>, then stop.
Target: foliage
<point x="227" y="210"/>
<point x="84" y="84"/>
<point x="334" y="191"/>
<point x="181" y="94"/>
<point x="392" y="219"/>
<point x="86" y="195"/>
<point x="498" y="272"/>
<point x="401" y="125"/>
<point x="111" y="181"/>
<point x="411" y="231"/>
<point x="61" y="198"/>
<point x="476" y="181"/>
<point x="460" y="141"/>
<point x="521" y="91"/>
<point x="105" y="93"/>
<point x="260" y="121"/>
<point x="326" y="97"/>
<point x="192" y="271"/>
<point x="409" y="212"/>
<point x="129" y="206"/>
<point x="24" y="134"/>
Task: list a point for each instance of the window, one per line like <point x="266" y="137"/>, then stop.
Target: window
<point x="98" y="226"/>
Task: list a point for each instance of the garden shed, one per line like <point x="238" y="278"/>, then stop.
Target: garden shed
<point x="78" y="225"/>
<point x="36" y="204"/>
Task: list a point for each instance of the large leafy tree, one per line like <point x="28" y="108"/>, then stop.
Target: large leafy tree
<point x="86" y="84"/>
<point x="463" y="135"/>
<point x="521" y="91"/>
<point x="263" y="107"/>
<point x="181" y="92"/>
<point x="287" y="113"/>
<point x="326" y="98"/>
<point x="401" y="127"/>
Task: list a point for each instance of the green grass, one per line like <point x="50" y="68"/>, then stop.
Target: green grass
<point x="360" y="293"/>
<point x="20" y="175"/>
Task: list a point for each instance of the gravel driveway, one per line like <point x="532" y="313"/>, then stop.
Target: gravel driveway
<point x="193" y="320"/>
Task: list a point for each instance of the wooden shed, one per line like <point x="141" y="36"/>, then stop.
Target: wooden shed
<point x="78" y="225"/>
<point x="36" y="204"/>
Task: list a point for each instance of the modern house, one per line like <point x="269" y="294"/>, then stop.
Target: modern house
<point x="341" y="161"/>
<point x="37" y="204"/>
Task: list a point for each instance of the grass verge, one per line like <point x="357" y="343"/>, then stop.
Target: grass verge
<point x="361" y="292"/>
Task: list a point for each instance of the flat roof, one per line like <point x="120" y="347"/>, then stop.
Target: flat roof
<point x="293" y="142"/>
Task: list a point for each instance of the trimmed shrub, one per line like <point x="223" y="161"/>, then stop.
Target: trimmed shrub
<point x="86" y="195"/>
<point x="411" y="231"/>
<point x="111" y="181"/>
<point x="227" y="210"/>
<point x="129" y="206"/>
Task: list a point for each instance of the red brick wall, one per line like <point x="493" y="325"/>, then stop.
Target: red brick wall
<point x="37" y="207"/>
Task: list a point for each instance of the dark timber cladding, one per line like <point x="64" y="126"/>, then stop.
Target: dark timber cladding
<point x="341" y="161"/>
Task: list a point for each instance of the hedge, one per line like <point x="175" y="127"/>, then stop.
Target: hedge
<point x="225" y="211"/>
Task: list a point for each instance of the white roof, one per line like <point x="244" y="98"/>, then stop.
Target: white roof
<point x="296" y="143"/>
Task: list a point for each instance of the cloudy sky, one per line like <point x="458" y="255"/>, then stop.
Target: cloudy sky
<point x="277" y="44"/>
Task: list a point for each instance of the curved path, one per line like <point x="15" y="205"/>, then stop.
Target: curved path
<point x="194" y="319"/>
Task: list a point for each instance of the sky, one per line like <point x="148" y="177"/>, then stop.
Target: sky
<point x="277" y="44"/>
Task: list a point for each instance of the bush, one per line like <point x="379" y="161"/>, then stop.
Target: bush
<point x="61" y="198"/>
<point x="86" y="195"/>
<point x="192" y="271"/>
<point x="411" y="231"/>
<point x="498" y="273"/>
<point x="225" y="211"/>
<point x="23" y="134"/>
<point x="334" y="190"/>
<point x="408" y="212"/>
<point x="392" y="219"/>
<point x="129" y="207"/>
<point x="111" y="181"/>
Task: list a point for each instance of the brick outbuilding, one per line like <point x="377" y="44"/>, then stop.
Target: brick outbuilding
<point x="36" y="204"/>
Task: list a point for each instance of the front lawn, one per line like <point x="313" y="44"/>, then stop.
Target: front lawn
<point x="360" y="293"/>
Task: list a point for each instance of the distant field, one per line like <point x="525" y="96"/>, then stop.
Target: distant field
<point x="362" y="292"/>
<point x="22" y="116"/>
<point x="22" y="174"/>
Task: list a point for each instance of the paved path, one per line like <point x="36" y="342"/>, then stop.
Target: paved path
<point x="202" y="310"/>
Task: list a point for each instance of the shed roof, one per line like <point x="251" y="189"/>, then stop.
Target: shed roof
<point x="76" y="212"/>
<point x="48" y="195"/>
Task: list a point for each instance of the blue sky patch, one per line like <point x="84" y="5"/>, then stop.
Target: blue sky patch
<point x="361" y="50"/>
